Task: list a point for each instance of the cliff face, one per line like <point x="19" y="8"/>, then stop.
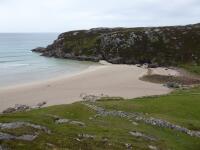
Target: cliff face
<point x="163" y="45"/>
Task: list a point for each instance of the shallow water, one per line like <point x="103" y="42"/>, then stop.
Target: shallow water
<point x="19" y="65"/>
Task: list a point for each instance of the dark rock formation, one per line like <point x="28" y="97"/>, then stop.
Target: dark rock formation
<point x="155" y="45"/>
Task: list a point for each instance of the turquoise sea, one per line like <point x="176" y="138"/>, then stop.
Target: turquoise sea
<point x="18" y="65"/>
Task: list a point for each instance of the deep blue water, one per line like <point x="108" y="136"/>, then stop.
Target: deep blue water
<point x="19" y="65"/>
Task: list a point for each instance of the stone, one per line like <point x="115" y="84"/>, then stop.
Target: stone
<point x="77" y="139"/>
<point x="77" y="123"/>
<point x="91" y="98"/>
<point x="15" y="125"/>
<point x="54" y="116"/>
<point x="50" y="145"/>
<point x="152" y="147"/>
<point x="22" y="108"/>
<point x="172" y="85"/>
<point x="75" y="33"/>
<point x="142" y="135"/>
<point x="128" y="146"/>
<point x="27" y="137"/>
<point x="86" y="136"/>
<point x="5" y="136"/>
<point x="39" y="50"/>
<point x="105" y="139"/>
<point x="153" y="65"/>
<point x="41" y="104"/>
<point x="62" y="121"/>
<point x="9" y="110"/>
<point x="134" y="123"/>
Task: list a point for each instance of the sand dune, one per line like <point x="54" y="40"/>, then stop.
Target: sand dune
<point x="112" y="80"/>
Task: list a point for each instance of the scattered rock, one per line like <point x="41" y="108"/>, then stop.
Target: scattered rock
<point x="91" y="98"/>
<point x="142" y="135"/>
<point x="9" y="110"/>
<point x="86" y="136"/>
<point x="90" y="118"/>
<point x="55" y="117"/>
<point x="134" y="123"/>
<point x="41" y="104"/>
<point x="77" y="139"/>
<point x="62" y="121"/>
<point x="139" y="65"/>
<point x="50" y="145"/>
<point x="105" y="140"/>
<point x="27" y="137"/>
<point x="22" y="108"/>
<point x="153" y="65"/>
<point x="77" y="123"/>
<point x="16" y="108"/>
<point x="5" y="136"/>
<point x="128" y="146"/>
<point x="172" y="85"/>
<point x="68" y="121"/>
<point x="152" y="147"/>
<point x="15" y="125"/>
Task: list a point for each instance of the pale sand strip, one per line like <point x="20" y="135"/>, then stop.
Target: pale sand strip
<point x="112" y="80"/>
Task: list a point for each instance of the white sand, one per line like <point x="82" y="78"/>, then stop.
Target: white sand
<point x="112" y="80"/>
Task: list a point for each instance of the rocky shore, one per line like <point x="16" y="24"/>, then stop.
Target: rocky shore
<point x="170" y="45"/>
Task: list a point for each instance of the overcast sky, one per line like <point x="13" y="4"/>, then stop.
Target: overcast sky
<point x="64" y="15"/>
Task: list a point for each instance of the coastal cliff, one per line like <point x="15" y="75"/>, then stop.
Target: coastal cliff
<point x="171" y="45"/>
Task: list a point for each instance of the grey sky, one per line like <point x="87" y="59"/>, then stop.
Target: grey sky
<point x="64" y="15"/>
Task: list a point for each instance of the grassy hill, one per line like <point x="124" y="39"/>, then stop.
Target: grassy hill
<point x="96" y="131"/>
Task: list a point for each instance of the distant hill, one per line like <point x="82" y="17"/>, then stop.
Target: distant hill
<point x="170" y="45"/>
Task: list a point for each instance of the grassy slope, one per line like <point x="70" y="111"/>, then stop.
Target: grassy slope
<point x="195" y="69"/>
<point x="181" y="107"/>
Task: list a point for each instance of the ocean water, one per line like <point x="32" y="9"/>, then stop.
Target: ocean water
<point x="18" y="65"/>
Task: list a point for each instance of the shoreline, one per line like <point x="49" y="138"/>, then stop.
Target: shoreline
<point x="108" y="79"/>
<point x="52" y="79"/>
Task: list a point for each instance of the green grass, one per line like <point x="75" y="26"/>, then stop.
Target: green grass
<point x="192" y="68"/>
<point x="180" y="107"/>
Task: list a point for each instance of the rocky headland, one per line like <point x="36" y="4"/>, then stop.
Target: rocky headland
<point x="170" y="45"/>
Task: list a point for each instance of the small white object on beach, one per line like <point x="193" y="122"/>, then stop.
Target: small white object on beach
<point x="104" y="62"/>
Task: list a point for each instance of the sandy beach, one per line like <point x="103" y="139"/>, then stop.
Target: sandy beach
<point x="111" y="80"/>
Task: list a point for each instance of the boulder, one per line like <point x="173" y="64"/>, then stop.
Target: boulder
<point x="39" y="50"/>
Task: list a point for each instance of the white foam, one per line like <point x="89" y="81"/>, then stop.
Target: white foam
<point x="13" y="65"/>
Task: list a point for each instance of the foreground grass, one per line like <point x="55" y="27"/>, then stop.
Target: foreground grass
<point x="180" y="107"/>
<point x="194" y="69"/>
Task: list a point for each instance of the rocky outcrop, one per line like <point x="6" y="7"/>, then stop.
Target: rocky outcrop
<point x="155" y="45"/>
<point x="22" y="108"/>
<point x="16" y="125"/>
<point x="5" y="136"/>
